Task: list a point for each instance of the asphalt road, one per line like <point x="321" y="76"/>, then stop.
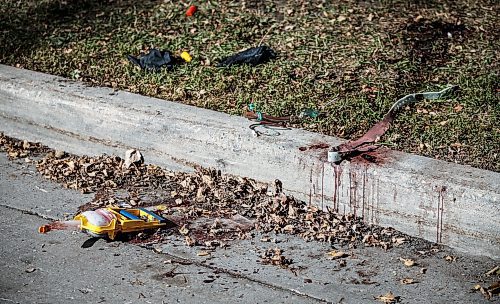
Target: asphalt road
<point x="54" y="268"/>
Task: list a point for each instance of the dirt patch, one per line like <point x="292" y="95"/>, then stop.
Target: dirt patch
<point x="428" y="41"/>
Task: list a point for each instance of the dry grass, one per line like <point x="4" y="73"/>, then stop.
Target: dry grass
<point x="349" y="59"/>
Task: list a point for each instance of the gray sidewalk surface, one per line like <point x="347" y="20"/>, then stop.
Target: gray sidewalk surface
<point x="54" y="268"/>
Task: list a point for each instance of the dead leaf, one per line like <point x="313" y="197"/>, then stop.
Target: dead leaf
<point x="408" y="262"/>
<point x="275" y="257"/>
<point x="265" y="239"/>
<point x="189" y="241"/>
<point x="388" y="298"/>
<point x="407" y="281"/>
<point x="398" y="241"/>
<point x="199" y="195"/>
<point x="341" y="18"/>
<point x="203" y="253"/>
<point x="494" y="270"/>
<point x="59" y="154"/>
<point x="450" y="258"/>
<point x="214" y="244"/>
<point x="184" y="230"/>
<point x="160" y="207"/>
<point x="418" y="18"/>
<point x="494" y="288"/>
<point x="458" y="108"/>
<point x="337" y="254"/>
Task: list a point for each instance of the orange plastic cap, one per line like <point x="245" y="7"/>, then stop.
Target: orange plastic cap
<point x="191" y="10"/>
<point x="44" y="229"/>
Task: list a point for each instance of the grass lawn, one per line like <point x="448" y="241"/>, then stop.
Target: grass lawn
<point x="349" y="59"/>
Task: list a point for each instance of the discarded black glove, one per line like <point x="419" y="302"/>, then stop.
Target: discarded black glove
<point x="253" y="56"/>
<point x="154" y="60"/>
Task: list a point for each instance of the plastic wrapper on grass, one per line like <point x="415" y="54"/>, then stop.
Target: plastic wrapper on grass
<point x="253" y="56"/>
<point x="154" y="60"/>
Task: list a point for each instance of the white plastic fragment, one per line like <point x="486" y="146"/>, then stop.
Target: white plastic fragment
<point x="133" y="156"/>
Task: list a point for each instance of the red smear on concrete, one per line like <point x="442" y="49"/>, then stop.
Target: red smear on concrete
<point x="379" y="156"/>
<point x="316" y="146"/>
<point x="59" y="225"/>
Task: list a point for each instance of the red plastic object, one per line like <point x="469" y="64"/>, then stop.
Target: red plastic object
<point x="191" y="10"/>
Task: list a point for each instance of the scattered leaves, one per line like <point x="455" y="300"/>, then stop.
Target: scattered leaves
<point x="206" y="205"/>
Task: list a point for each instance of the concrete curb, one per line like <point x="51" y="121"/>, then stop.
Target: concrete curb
<point x="442" y="202"/>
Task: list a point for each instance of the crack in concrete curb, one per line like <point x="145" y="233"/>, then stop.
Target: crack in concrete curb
<point x="240" y="276"/>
